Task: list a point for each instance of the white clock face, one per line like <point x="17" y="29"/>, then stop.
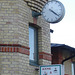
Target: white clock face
<point x="53" y="11"/>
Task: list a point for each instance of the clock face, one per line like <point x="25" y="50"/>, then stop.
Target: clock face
<point x="53" y="11"/>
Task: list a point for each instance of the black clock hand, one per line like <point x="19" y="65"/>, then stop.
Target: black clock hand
<point x="53" y="12"/>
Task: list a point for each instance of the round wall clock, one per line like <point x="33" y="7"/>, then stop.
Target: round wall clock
<point x="53" y="11"/>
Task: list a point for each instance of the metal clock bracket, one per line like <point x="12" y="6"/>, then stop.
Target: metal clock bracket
<point x="36" y="14"/>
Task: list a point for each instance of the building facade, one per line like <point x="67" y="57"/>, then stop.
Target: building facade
<point x="65" y="55"/>
<point x="24" y="39"/>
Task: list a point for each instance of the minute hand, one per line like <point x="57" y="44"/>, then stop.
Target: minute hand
<point x="53" y="12"/>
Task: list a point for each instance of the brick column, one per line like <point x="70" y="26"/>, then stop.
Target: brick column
<point x="44" y="51"/>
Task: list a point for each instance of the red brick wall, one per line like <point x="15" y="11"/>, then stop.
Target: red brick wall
<point x="46" y="56"/>
<point x="57" y="56"/>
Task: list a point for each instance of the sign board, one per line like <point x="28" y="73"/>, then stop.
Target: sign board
<point x="51" y="70"/>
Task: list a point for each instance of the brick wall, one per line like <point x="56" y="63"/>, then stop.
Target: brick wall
<point x="57" y="56"/>
<point x="68" y="63"/>
<point x="15" y="16"/>
<point x="8" y="22"/>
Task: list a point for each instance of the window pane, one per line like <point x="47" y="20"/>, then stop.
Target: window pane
<point x="73" y="68"/>
<point x="31" y="42"/>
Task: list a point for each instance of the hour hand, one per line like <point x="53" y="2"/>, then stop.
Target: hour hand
<point x="54" y="12"/>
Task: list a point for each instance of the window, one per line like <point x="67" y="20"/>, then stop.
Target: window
<point x="33" y="44"/>
<point x="73" y="68"/>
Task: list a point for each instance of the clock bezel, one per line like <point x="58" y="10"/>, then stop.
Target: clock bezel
<point x="62" y="12"/>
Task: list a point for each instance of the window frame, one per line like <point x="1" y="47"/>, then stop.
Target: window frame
<point x="35" y="61"/>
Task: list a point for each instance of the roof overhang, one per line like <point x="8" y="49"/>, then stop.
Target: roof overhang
<point x="62" y="46"/>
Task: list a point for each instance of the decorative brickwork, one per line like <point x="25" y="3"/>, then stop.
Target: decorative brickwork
<point x="36" y="5"/>
<point x="45" y="56"/>
<point x="14" y="48"/>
